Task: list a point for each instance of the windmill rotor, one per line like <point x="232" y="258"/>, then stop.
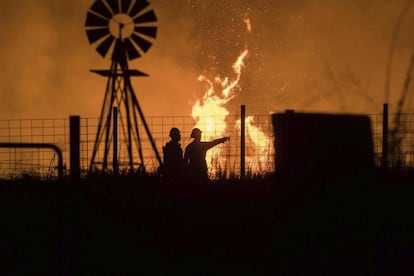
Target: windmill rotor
<point x="132" y="22"/>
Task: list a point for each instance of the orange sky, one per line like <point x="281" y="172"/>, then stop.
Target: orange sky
<point x="308" y="55"/>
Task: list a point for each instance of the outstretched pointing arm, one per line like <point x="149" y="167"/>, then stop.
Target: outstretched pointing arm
<point x="221" y="140"/>
<point x="215" y="142"/>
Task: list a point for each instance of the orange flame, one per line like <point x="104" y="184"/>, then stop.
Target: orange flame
<point x="248" y="23"/>
<point x="214" y="103"/>
<point x="210" y="115"/>
<point x="259" y="147"/>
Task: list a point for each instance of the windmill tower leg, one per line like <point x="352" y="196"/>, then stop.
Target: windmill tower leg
<point x="141" y="114"/>
<point x="105" y="131"/>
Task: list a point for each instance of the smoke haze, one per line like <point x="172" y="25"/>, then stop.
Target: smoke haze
<point x="307" y="55"/>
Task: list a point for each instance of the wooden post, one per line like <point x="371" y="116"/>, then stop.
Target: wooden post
<point x="242" y="141"/>
<point x="74" y="133"/>
<point x="115" y="146"/>
<point x="384" y="156"/>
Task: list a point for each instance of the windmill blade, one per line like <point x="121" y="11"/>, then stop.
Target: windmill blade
<point x="143" y="44"/>
<point x="93" y="20"/>
<point x="96" y="34"/>
<point x="114" y="6"/>
<point x="100" y="8"/>
<point x="131" y="50"/>
<point x="103" y="48"/>
<point x="99" y="33"/>
<point x="146" y="17"/>
<point x="125" y="4"/>
<point x="148" y="31"/>
<point x="138" y="6"/>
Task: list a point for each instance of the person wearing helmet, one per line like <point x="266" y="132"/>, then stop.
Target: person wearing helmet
<point x="173" y="156"/>
<point x="195" y="154"/>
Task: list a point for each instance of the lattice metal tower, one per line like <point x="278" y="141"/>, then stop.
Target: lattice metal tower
<point x="125" y="28"/>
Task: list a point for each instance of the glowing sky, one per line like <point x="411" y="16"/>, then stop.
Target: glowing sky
<point x="309" y="55"/>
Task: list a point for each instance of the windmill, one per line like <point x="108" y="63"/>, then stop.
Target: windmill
<point x="125" y="30"/>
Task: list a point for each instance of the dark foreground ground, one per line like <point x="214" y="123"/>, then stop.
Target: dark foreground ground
<point x="260" y="226"/>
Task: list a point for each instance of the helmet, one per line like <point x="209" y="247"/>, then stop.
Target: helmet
<point x="174" y="132"/>
<point x="195" y="132"/>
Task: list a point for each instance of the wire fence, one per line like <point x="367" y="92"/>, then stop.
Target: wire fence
<point x="223" y="160"/>
<point x="15" y="162"/>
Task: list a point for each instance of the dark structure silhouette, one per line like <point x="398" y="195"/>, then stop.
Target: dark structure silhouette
<point x="326" y="195"/>
<point x="195" y="154"/>
<point x="174" y="165"/>
<point x="319" y="145"/>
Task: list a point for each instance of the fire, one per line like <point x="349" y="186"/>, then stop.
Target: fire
<point x="210" y="114"/>
<point x="248" y="24"/>
<point x="259" y="146"/>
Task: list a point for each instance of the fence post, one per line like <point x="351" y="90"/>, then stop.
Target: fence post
<point x="115" y="149"/>
<point x="74" y="133"/>
<point x="384" y="156"/>
<point x="242" y="141"/>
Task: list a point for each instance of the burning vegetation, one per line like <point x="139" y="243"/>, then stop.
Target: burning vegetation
<point x="211" y="112"/>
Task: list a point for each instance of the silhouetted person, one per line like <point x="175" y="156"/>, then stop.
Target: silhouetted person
<point x="195" y="154"/>
<point x="173" y="155"/>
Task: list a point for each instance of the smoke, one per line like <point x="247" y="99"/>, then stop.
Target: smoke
<point x="308" y="55"/>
